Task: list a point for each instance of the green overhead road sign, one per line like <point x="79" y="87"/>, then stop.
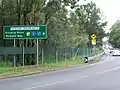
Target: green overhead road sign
<point x="25" y="32"/>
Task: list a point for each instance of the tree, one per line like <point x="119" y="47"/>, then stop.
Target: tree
<point x="114" y="37"/>
<point x="66" y="28"/>
<point x="78" y="34"/>
<point x="90" y="19"/>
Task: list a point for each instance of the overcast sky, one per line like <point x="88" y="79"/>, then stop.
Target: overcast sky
<point x="111" y="9"/>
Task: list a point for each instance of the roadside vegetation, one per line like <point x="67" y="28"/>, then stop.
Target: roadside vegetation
<point x="114" y="35"/>
<point x="70" y="24"/>
<point x="49" y="65"/>
<point x="8" y="71"/>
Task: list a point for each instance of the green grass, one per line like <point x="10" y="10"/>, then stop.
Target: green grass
<point x="43" y="67"/>
<point x="49" y="63"/>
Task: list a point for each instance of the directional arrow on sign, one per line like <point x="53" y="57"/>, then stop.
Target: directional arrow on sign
<point x="43" y="33"/>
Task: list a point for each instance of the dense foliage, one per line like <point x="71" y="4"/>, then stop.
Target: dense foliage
<point x="114" y="37"/>
<point x="70" y="23"/>
<point x="67" y="21"/>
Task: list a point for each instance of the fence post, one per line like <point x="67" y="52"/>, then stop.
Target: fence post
<point x="75" y="54"/>
<point x="87" y="52"/>
<point x="42" y="55"/>
<point x="37" y="52"/>
<point x="56" y="50"/>
<point x="65" y="54"/>
<point x="23" y="53"/>
<point x="14" y="54"/>
<point x="72" y="52"/>
<point x="83" y="52"/>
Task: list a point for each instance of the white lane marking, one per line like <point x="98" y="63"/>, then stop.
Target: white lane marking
<point x="45" y="85"/>
<point x="68" y="80"/>
<point x="57" y="70"/>
<point x="108" y="70"/>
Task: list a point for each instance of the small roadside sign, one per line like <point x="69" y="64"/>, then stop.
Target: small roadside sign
<point x="93" y="41"/>
<point x="93" y="36"/>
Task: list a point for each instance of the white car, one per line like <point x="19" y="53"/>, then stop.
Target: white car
<point x="116" y="53"/>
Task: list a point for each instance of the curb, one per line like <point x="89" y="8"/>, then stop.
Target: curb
<point x="91" y="58"/>
<point x="31" y="73"/>
<point x="35" y="73"/>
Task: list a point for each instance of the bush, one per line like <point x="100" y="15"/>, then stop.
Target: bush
<point x="5" y="63"/>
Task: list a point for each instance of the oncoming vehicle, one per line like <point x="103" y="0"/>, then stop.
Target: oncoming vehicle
<point x="116" y="53"/>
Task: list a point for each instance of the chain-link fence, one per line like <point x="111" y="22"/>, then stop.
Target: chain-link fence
<point x="57" y="55"/>
<point x="52" y="55"/>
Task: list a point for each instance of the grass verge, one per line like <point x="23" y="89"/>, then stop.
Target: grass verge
<point x="44" y="67"/>
<point x="7" y="71"/>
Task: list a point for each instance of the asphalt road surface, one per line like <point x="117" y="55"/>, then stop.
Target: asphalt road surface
<point x="101" y="76"/>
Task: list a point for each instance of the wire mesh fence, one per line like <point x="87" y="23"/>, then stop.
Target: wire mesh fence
<point x="65" y="54"/>
<point x="52" y="55"/>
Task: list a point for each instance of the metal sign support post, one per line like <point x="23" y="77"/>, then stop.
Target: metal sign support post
<point x="37" y="52"/>
<point x="25" y="32"/>
<point x="23" y="55"/>
<point x="93" y="41"/>
<point x="14" y="55"/>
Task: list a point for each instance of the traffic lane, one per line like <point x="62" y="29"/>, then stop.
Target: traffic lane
<point x="80" y="75"/>
<point x="103" y="81"/>
<point x="57" y="76"/>
<point x="61" y="72"/>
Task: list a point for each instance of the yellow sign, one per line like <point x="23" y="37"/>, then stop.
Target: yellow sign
<point x="93" y="36"/>
<point x="93" y="41"/>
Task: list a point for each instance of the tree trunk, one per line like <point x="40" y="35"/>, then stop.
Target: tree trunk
<point x="19" y="2"/>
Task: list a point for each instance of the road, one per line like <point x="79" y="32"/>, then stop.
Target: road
<point x="101" y="76"/>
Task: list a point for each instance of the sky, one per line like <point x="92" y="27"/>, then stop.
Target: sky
<point x="111" y="9"/>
